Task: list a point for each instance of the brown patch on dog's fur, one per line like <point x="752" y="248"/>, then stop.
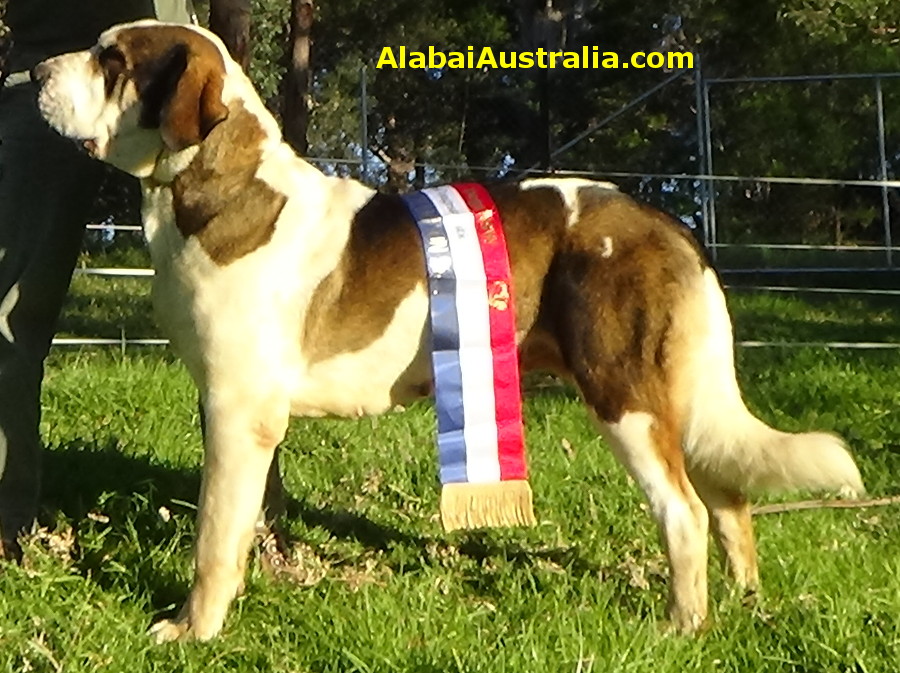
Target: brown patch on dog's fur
<point x="179" y="76"/>
<point x="601" y="317"/>
<point x="534" y="221"/>
<point x="218" y="197"/>
<point x="731" y="521"/>
<point x="540" y="352"/>
<point x="382" y="263"/>
<point x="112" y="64"/>
<point x="666" y="434"/>
<point x="611" y="311"/>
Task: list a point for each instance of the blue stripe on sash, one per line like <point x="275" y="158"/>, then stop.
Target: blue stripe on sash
<point x="445" y="337"/>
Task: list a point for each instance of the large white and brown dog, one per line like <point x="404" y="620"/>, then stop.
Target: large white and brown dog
<point x="286" y="291"/>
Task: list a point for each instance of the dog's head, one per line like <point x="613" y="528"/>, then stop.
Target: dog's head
<point x="144" y="88"/>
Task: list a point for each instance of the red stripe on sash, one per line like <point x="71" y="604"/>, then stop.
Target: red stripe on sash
<point x="507" y="392"/>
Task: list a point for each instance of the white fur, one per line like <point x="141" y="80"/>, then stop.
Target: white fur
<point x="676" y="507"/>
<point x="606" y="250"/>
<point x="726" y="442"/>
<point x="74" y="101"/>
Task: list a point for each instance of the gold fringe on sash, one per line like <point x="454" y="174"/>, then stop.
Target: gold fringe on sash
<point x="503" y="503"/>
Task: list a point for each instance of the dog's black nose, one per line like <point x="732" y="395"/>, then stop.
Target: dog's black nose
<point x="40" y="72"/>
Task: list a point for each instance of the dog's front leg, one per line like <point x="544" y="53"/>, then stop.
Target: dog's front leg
<point x="238" y="450"/>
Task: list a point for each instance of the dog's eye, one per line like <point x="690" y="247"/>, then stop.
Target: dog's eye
<point x="112" y="64"/>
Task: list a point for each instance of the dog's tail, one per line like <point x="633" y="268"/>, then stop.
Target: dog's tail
<point x="725" y="443"/>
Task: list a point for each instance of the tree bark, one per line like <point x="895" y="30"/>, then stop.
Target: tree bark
<point x="230" y="20"/>
<point x="295" y="115"/>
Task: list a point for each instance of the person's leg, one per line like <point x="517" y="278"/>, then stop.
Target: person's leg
<point x="46" y="186"/>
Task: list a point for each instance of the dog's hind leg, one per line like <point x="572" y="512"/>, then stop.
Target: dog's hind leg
<point x="649" y="447"/>
<point x="732" y="527"/>
<point x="240" y="444"/>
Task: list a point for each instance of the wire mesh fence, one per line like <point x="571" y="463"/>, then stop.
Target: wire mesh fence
<point x="773" y="231"/>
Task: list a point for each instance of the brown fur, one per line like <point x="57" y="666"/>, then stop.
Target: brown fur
<point x="534" y="221"/>
<point x="611" y="315"/>
<point x="732" y="524"/>
<point x="218" y="199"/>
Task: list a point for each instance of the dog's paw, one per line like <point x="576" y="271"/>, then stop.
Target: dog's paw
<point x="685" y="623"/>
<point x="184" y="627"/>
<point x="167" y="630"/>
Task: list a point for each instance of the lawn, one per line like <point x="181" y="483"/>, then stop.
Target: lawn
<point x="378" y="585"/>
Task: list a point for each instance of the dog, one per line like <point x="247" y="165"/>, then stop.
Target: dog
<point x="288" y="292"/>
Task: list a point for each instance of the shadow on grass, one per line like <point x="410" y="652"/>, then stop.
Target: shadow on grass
<point x="479" y="546"/>
<point x="637" y="585"/>
<point x="124" y="544"/>
<point x="78" y="474"/>
<point x="113" y="502"/>
<point x="765" y="326"/>
<point x="345" y="525"/>
<point x="542" y="384"/>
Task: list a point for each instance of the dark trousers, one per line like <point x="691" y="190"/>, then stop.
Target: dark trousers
<point x="46" y="187"/>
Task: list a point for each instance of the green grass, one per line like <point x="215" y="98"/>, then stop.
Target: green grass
<point x="814" y="318"/>
<point x="384" y="589"/>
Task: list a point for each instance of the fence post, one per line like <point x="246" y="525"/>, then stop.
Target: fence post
<point x="701" y="149"/>
<point x="364" y="125"/>
<point x="710" y="183"/>
<point x="882" y="157"/>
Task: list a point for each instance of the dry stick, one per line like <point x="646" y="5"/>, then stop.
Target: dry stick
<point x="826" y="504"/>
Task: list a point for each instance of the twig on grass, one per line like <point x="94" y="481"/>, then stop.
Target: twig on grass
<point x="826" y="504"/>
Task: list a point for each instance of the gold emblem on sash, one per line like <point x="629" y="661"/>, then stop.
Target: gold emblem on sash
<point x="498" y="295"/>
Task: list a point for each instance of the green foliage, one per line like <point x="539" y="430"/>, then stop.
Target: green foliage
<point x="843" y="21"/>
<point x="269" y="39"/>
<point x="435" y="117"/>
<point x="491" y="118"/>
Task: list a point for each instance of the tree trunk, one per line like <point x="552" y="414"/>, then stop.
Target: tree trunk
<point x="542" y="25"/>
<point x="230" y="20"/>
<point x="295" y="115"/>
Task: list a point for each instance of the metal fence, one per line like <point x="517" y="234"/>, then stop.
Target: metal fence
<point x="705" y="152"/>
<point x="706" y="183"/>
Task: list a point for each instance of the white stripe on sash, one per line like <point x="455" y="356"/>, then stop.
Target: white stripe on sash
<point x="475" y="355"/>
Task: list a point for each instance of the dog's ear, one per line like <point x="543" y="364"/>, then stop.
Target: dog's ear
<point x="181" y="94"/>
